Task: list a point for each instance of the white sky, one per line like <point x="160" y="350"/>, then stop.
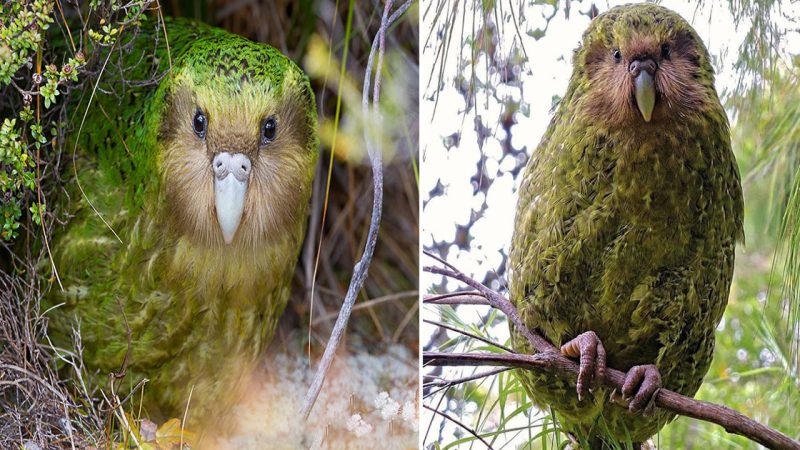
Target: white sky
<point x="547" y="74"/>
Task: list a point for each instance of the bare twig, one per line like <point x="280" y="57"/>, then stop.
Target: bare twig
<point x="372" y="302"/>
<point x="468" y="334"/>
<point x="456" y="298"/>
<point x="497" y="301"/>
<point x="376" y="158"/>
<point x="439" y="382"/>
<point x="550" y="359"/>
<point x="455" y="421"/>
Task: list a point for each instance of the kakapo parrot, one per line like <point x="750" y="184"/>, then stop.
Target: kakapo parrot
<point x="188" y="196"/>
<point x="627" y="219"/>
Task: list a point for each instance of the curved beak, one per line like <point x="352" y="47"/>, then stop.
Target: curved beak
<point x="231" y="174"/>
<point x="642" y="71"/>
<point x="645" y="92"/>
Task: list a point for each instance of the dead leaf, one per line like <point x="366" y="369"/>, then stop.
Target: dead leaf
<point x="170" y="433"/>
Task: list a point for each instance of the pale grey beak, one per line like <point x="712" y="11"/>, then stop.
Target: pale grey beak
<point x="231" y="174"/>
<point x="645" y="94"/>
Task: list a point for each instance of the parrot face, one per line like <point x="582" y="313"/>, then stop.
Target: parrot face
<point x="238" y="150"/>
<point x="644" y="64"/>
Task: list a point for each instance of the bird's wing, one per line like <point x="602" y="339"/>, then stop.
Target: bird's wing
<point x="563" y="217"/>
<point x="111" y="187"/>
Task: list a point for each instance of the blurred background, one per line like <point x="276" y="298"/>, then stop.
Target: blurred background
<point x="375" y="375"/>
<point x="491" y="75"/>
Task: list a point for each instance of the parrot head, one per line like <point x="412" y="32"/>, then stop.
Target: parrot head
<point x="643" y="63"/>
<point x="238" y="143"/>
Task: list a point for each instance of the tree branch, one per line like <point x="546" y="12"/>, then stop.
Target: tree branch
<point x="549" y="358"/>
<point x="376" y="158"/>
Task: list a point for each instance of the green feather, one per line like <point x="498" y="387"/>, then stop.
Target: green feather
<point x="198" y="311"/>
<point x="627" y="228"/>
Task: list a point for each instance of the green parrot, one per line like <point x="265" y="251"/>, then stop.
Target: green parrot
<point x="628" y="215"/>
<point x="188" y="198"/>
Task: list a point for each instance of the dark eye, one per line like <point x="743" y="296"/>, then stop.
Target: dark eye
<point x="665" y="51"/>
<point x="268" y="130"/>
<point x="200" y="124"/>
<point x="617" y="55"/>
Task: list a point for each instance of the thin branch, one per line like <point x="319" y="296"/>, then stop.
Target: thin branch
<point x="456" y="298"/>
<point x="468" y="334"/>
<point x="372" y="302"/>
<point x="376" y="158"/>
<point x="497" y="301"/>
<point x="550" y="359"/>
<point x="441" y="260"/>
<point x="455" y="421"/>
<point x="440" y="382"/>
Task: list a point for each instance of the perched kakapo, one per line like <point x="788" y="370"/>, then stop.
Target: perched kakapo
<point x="189" y="195"/>
<point x="628" y="215"/>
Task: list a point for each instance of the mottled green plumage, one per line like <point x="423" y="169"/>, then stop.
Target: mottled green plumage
<point x="625" y="227"/>
<point x="199" y="310"/>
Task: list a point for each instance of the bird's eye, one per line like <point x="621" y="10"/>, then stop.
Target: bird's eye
<point x="268" y="130"/>
<point x="617" y="55"/>
<point x="200" y="124"/>
<point x="665" y="51"/>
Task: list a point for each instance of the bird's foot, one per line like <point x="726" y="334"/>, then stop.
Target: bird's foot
<point x="640" y="389"/>
<point x="592" y="357"/>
